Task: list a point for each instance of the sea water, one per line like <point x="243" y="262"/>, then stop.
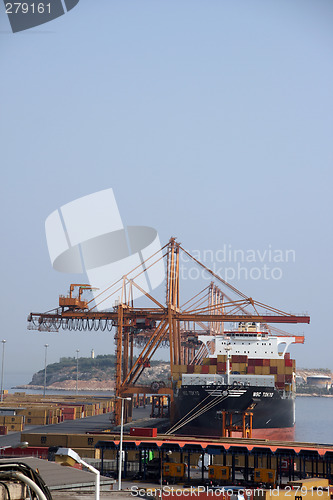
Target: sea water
<point x="314" y="419"/>
<point x="314" y="415"/>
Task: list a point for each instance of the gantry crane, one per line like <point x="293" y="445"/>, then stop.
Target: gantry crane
<point x="151" y="326"/>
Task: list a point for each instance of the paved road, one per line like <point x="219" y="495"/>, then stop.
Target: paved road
<point x="83" y="425"/>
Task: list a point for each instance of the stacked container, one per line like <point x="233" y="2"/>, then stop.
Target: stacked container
<point x="282" y="368"/>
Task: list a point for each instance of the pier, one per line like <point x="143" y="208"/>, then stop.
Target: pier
<point x="240" y="457"/>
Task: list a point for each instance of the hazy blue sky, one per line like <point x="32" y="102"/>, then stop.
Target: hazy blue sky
<point x="211" y="121"/>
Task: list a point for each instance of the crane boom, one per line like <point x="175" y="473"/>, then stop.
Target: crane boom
<point x="158" y="324"/>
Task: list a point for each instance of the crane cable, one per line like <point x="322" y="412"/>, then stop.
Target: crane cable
<point x="199" y="410"/>
<point x="200" y="403"/>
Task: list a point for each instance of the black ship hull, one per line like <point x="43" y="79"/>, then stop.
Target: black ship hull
<point x="273" y="414"/>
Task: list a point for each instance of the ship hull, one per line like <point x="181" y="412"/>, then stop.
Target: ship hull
<point x="273" y="415"/>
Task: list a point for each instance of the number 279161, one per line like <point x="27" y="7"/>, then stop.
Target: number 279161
<point x="25" y="8"/>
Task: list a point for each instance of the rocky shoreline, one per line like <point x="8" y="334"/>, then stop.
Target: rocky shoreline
<point x="314" y="395"/>
<point x="108" y="386"/>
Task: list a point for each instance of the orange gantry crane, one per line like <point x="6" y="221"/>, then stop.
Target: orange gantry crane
<point x="150" y="327"/>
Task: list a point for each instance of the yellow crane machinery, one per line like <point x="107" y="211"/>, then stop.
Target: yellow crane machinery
<point x="72" y="303"/>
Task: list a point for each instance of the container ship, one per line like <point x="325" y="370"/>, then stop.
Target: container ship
<point x="244" y="372"/>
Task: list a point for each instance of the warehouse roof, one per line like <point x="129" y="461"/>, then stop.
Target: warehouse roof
<point x="209" y="445"/>
<point x="58" y="476"/>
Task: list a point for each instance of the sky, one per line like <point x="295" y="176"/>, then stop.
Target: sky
<point x="210" y="120"/>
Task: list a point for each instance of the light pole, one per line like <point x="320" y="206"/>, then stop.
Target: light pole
<point x="46" y="346"/>
<point x="66" y="455"/>
<point x="2" y="369"/>
<point x="77" y="369"/>
<point x="227" y="350"/>
<point x="120" y="461"/>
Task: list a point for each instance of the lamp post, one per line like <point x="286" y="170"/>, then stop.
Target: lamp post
<point x="77" y="369"/>
<point x="68" y="456"/>
<point x="46" y="346"/>
<point x="121" y="439"/>
<point x="2" y="369"/>
<point x="227" y="350"/>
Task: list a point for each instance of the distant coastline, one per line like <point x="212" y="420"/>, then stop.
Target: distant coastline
<point x="107" y="386"/>
<point x="70" y="386"/>
<point x="98" y="375"/>
<point x="314" y="395"/>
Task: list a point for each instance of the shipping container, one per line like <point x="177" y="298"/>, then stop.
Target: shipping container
<point x="221" y="367"/>
<point x="143" y="431"/>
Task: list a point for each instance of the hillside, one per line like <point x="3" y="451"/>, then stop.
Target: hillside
<point x="308" y="372"/>
<point x="93" y="373"/>
<point x="99" y="373"/>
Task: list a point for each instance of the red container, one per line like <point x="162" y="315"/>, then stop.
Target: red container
<point x="288" y="362"/>
<point x="266" y="362"/>
<point x="213" y="361"/>
<point x="143" y="431"/>
<point x="287" y="355"/>
<point x="221" y="367"/>
<point x="69" y="416"/>
<point x="258" y="362"/>
<point x="30" y="451"/>
<point x="190" y="369"/>
<point x="205" y="369"/>
<point x="250" y="369"/>
<point x="68" y="411"/>
<point x="280" y="379"/>
<point x="251" y="362"/>
<point x="273" y="370"/>
<point x="239" y="358"/>
<point x="242" y="358"/>
<point x="3" y="430"/>
<point x="289" y="379"/>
